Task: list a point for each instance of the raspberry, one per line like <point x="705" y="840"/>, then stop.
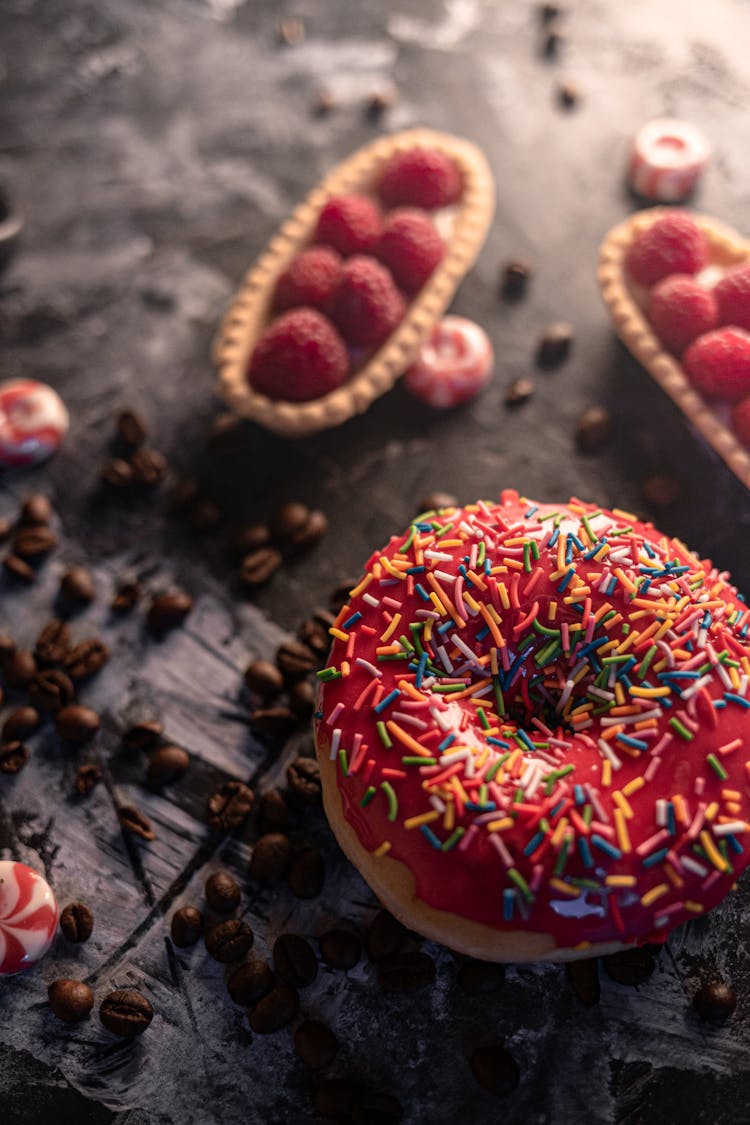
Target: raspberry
<point x="310" y="279"/>
<point x="741" y="420"/>
<point x="420" y="177"/>
<point x="350" y="224"/>
<point x="367" y="306"/>
<point x="719" y="363"/>
<point x="299" y="356"/>
<point x="410" y="246"/>
<point x="733" y="296"/>
<point x="680" y="310"/>
<point x="672" y="244"/>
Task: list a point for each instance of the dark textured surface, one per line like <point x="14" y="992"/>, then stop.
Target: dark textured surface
<point x="154" y="148"/>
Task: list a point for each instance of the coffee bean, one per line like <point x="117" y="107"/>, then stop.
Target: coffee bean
<point x="77" y="724"/>
<point x="131" y="428"/>
<point x="230" y="940"/>
<point x="51" y="689"/>
<point x="323" y="102"/>
<point x="125" y="598"/>
<point x="53" y="643"/>
<point x="553" y="40"/>
<point x="435" y="501"/>
<point x="629" y="966"/>
<point x="377" y="1107"/>
<point x="20" y="724"/>
<point x="314" y="632"/>
<point x="315" y="1044"/>
<point x="36" y="509"/>
<point x="274" y="811"/>
<point x="715" y="1002"/>
<point x="555" y="345"/>
<point x="549" y="12"/>
<point x="143" y="736"/>
<point x="167" y="611"/>
<point x="149" y="467"/>
<point x="116" y="473"/>
<point x="86" y="778"/>
<point x="31" y="543"/>
<point x="290" y="32"/>
<point x="7" y="647"/>
<point x="251" y="537"/>
<point x="302" y="699"/>
<point x="249" y="982"/>
<point x="307" y="873"/>
<point x="515" y="278"/>
<point x="70" y="1000"/>
<point x="263" y="678"/>
<point x="167" y="765"/>
<point x="294" y="960"/>
<point x="594" y="429"/>
<point x="289" y="520"/>
<point x="519" y="391"/>
<point x="6" y="526"/>
<point x="17" y="570"/>
<point x="229" y="806"/>
<point x="295" y="660"/>
<point x="312" y="532"/>
<point x="86" y="659"/>
<point x="77" y="922"/>
<point x="222" y="892"/>
<point x="568" y="94"/>
<point x="183" y="495"/>
<point x="303" y="779"/>
<point x="334" y="1098"/>
<point x="273" y="720"/>
<point x="379" y="102"/>
<point x="258" y="567"/>
<point x="19" y="669"/>
<point x="481" y="978"/>
<point x="339" y="596"/>
<point x="495" y="1070"/>
<point x="186" y="926"/>
<point x="13" y="756"/>
<point x="341" y="949"/>
<point x="583" y="977"/>
<point x="402" y="972"/>
<point x="77" y="586"/>
<point x="126" y="1012"/>
<point x="270" y="859"/>
<point x="135" y="823"/>
<point x="275" y="1010"/>
<point x="385" y="936"/>
<point x="661" y="490"/>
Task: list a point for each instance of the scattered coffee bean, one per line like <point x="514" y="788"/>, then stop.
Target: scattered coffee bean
<point x="273" y="720"/>
<point x="715" y="1002"/>
<point x="302" y="699"/>
<point x="568" y="94"/>
<point x="275" y="1010"/>
<point x="167" y="765"/>
<point x="167" y="611"/>
<point x="519" y="391"/>
<point x="229" y="806"/>
<point x="86" y="778"/>
<point x="294" y="960"/>
<point x="515" y="279"/>
<point x="126" y="1012"/>
<point x="313" y="531"/>
<point x="250" y="982"/>
<point x="435" y="501"/>
<point x="149" y="467"/>
<point x="135" y="823"/>
<point x="36" y="509"/>
<point x="295" y="660"/>
<point x="116" y="473"/>
<point x="7" y="647"/>
<point x="263" y="678"/>
<point x="77" y="724"/>
<point x="17" y="570"/>
<point x="323" y="102"/>
<point x="554" y="40"/>
<point x="32" y="542"/>
<point x="143" y="736"/>
<point x="594" y="429"/>
<point x="290" y="32"/>
<point x="230" y="940"/>
<point x="555" y="345"/>
<point x="629" y="966"/>
<point x="270" y="859"/>
<point x="303" y="779"/>
<point x="77" y="922"/>
<point x="184" y="494"/>
<point x="6" y="526"/>
<point x="315" y="1044"/>
<point x="53" y="643"/>
<point x="252" y="537"/>
<point x="13" y="756"/>
<point x="222" y="892"/>
<point x="131" y="428"/>
<point x="495" y="1070"/>
<point x="70" y="1000"/>
<point x="549" y="12"/>
<point x="274" y="811"/>
<point x="86" y="659"/>
<point x="314" y="632"/>
<point x="20" y="724"/>
<point x="307" y="873"/>
<point x="19" y="669"/>
<point x="379" y="102"/>
<point x="258" y="567"/>
<point x="334" y="1098"/>
<point x="341" y="949"/>
<point x="583" y="977"/>
<point x="385" y="936"/>
<point x="661" y="490"/>
<point x="402" y="972"/>
<point x="51" y="689"/>
<point x="77" y="586"/>
<point x="125" y="598"/>
<point x="481" y="978"/>
<point x="288" y="521"/>
<point x="186" y="926"/>
<point x="339" y="596"/>
<point x="376" y="1107"/>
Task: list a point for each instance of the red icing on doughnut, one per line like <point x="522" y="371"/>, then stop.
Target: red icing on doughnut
<point x="543" y="711"/>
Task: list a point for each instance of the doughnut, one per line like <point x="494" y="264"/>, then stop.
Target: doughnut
<point x="33" y="422"/>
<point x="28" y="917"/>
<point x="532" y="730"/>
<point x="666" y="159"/>
<point x="453" y="364"/>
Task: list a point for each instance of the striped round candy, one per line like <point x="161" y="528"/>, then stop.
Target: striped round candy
<point x="454" y="363"/>
<point x="28" y="917"/>
<point x="33" y="422"/>
<point x="666" y="159"/>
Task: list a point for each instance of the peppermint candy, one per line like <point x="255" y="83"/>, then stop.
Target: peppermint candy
<point x="33" y="422"/>
<point x="454" y="363"/>
<point x="28" y="917"/>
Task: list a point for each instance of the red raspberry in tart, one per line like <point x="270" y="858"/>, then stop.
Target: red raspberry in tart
<point x="680" y="310"/>
<point x="311" y="279"/>
<point x="350" y="224"/>
<point x="741" y="420"/>
<point x="410" y="246"/>
<point x="367" y="306"/>
<point x="733" y="297"/>
<point x="420" y="177"/>
<point x="300" y="356"/>
<point x="719" y="363"/>
<point x="673" y="243"/>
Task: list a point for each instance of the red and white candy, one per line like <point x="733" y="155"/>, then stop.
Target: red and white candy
<point x="33" y="422"/>
<point x="454" y="363"/>
<point x="28" y="917"/>
<point x="666" y="159"/>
